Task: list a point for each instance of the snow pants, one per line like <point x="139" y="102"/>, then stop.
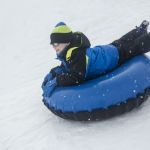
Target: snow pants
<point x="132" y="44"/>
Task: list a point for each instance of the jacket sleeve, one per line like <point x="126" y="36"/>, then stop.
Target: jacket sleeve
<point x="77" y="67"/>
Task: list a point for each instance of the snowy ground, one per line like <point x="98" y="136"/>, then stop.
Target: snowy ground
<point x="25" y="58"/>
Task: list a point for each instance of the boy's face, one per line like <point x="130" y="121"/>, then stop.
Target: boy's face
<point x="59" y="47"/>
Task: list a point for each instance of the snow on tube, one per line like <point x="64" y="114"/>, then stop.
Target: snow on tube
<point x="117" y="92"/>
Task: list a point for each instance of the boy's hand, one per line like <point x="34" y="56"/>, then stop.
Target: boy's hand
<point x="49" y="87"/>
<point x="57" y="70"/>
<point x="47" y="78"/>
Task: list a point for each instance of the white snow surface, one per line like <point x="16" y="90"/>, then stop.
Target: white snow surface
<point x="25" y="58"/>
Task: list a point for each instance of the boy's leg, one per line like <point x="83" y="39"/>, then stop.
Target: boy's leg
<point x="126" y="42"/>
<point x="141" y="45"/>
<point x="127" y="39"/>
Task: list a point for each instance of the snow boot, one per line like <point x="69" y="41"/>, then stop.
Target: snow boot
<point x="143" y="26"/>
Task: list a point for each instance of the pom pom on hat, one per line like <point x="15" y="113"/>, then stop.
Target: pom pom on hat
<point x="60" y="24"/>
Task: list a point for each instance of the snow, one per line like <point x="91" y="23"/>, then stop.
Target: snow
<point x="25" y="58"/>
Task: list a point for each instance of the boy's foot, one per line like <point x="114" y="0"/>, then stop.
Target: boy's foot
<point x="144" y="25"/>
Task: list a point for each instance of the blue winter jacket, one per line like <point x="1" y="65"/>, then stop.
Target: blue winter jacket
<point x="80" y="62"/>
<point x="101" y="59"/>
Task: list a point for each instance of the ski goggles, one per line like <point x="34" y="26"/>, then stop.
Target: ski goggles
<point x="55" y="44"/>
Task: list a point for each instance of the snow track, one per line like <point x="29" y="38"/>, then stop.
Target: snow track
<point x="25" y="58"/>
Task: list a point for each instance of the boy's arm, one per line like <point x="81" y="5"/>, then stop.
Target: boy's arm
<point x="77" y="66"/>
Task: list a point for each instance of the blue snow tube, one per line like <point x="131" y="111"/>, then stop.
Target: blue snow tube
<point x="117" y="92"/>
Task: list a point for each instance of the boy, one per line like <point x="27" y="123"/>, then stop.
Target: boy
<point x="79" y="62"/>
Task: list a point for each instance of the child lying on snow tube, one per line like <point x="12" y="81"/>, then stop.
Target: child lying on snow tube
<point x="80" y="62"/>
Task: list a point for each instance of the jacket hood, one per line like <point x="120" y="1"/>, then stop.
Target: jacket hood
<point x="80" y="40"/>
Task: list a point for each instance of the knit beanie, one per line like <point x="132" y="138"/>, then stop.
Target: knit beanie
<point x="61" y="34"/>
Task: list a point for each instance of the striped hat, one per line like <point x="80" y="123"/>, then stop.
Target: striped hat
<point x="61" y="34"/>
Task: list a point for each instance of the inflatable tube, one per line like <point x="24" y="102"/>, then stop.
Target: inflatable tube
<point x="117" y="92"/>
